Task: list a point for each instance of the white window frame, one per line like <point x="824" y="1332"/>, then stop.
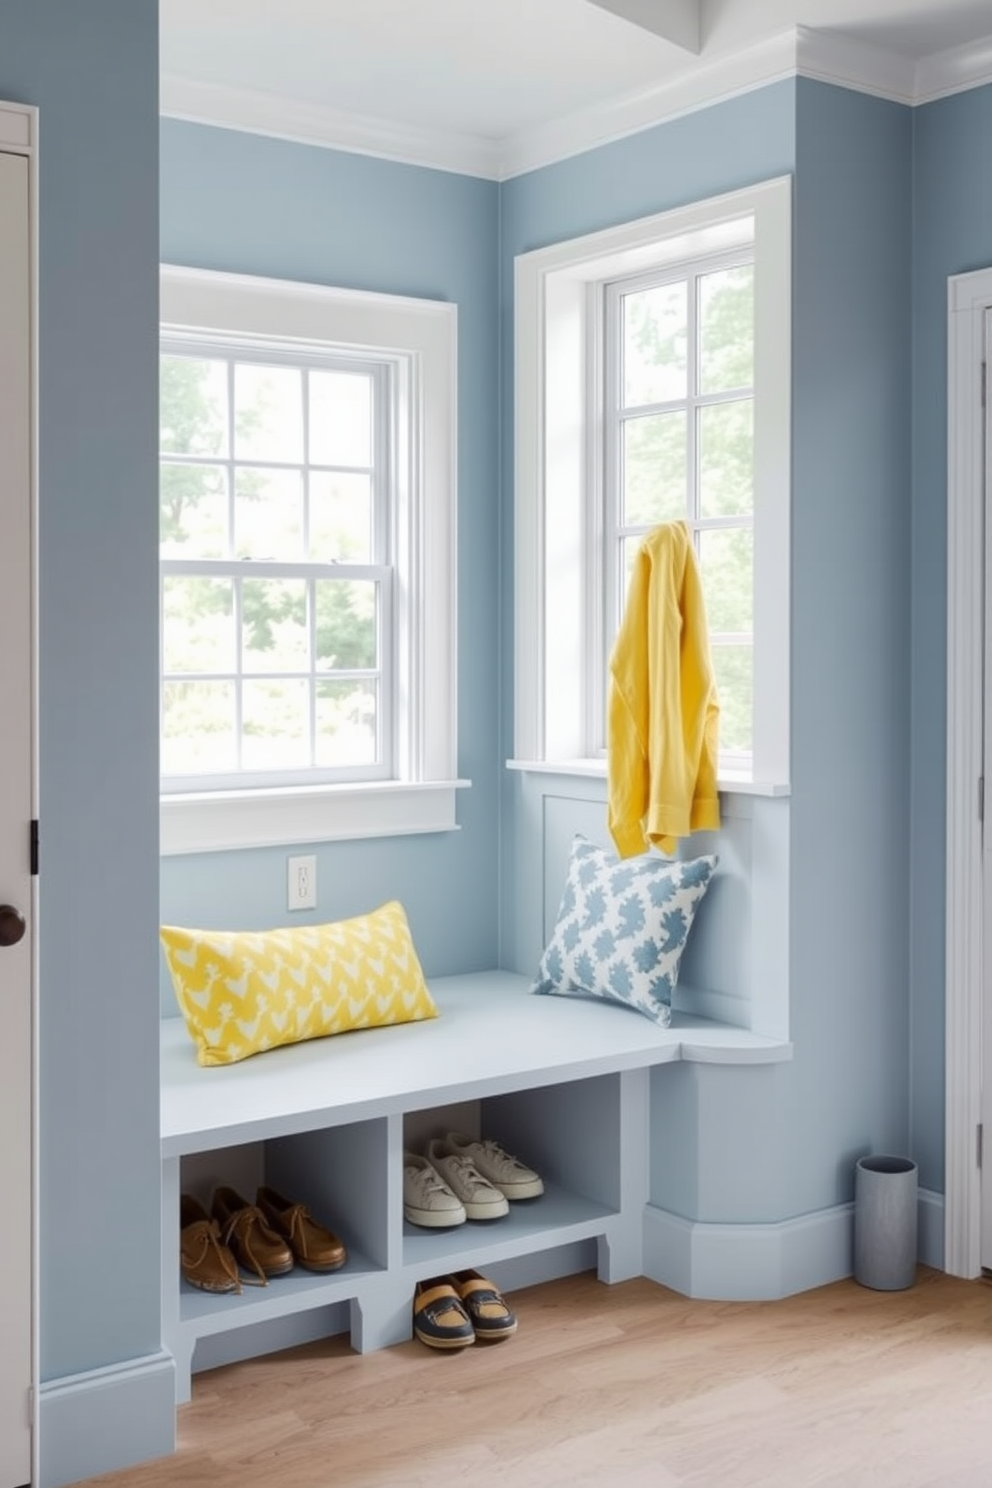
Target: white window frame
<point x="377" y="569"/>
<point x="558" y="453"/>
<point x="419" y="338"/>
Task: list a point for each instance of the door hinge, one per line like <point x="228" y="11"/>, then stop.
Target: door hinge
<point x="981" y="798"/>
<point x="34" y="848"/>
<point x="978" y="1145"/>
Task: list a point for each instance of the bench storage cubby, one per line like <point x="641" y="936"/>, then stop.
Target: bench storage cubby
<point x="563" y="1083"/>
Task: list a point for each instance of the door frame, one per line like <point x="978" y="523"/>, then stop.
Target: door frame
<point x="969" y="300"/>
<point x="19" y="136"/>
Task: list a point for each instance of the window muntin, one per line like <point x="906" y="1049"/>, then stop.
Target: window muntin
<point x="277" y="581"/>
<point x="678" y="437"/>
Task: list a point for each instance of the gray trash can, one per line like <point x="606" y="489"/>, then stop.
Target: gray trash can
<point x="885" y="1223"/>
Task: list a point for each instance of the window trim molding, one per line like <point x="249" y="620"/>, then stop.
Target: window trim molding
<point x="729" y="783"/>
<point x="224" y="821"/>
<point x="553" y="298"/>
<point x="420" y="336"/>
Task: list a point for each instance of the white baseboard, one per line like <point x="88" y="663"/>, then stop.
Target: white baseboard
<point x="750" y="1262"/>
<point x="106" y="1419"/>
<point x="762" y="1262"/>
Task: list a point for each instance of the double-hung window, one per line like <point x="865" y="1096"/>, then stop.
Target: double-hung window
<point x="652" y="383"/>
<point x="678" y="433"/>
<point x="277" y="575"/>
<point x="307" y="525"/>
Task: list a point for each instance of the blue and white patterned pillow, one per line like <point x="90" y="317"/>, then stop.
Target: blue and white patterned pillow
<point x="622" y="927"/>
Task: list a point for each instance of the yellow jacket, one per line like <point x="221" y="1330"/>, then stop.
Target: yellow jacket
<point x="663" y="716"/>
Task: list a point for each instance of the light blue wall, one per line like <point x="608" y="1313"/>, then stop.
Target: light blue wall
<point x="850" y="649"/>
<point x="720" y="149"/>
<point x="781" y="1143"/>
<point x="734" y="144"/>
<point x="93" y="71"/>
<point x="248" y="204"/>
<point x="952" y="234"/>
<point x="777" y="1143"/>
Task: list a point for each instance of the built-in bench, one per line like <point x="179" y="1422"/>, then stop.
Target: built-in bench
<point x="562" y="1082"/>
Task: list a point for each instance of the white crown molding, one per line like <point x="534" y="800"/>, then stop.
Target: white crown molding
<point x="308" y="124"/>
<point x="699" y="85"/>
<point x="825" y="56"/>
<point x="829" y="57"/>
<point x="954" y="71"/>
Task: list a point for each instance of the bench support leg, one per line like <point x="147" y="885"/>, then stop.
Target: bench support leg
<point x="621" y="1248"/>
<point x="382" y="1319"/>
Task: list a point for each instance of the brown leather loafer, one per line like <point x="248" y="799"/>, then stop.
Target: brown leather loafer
<point x="204" y="1260"/>
<point x="256" y="1247"/>
<point x="313" y="1246"/>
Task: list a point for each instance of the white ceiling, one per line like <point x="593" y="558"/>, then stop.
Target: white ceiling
<point x="492" y="70"/>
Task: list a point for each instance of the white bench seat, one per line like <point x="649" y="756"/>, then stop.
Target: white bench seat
<point x="492" y="1036"/>
<point x="562" y="1081"/>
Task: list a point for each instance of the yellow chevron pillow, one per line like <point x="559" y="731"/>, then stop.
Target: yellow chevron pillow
<point x="244" y="991"/>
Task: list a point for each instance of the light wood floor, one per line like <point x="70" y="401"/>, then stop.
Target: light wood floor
<point x="626" y="1385"/>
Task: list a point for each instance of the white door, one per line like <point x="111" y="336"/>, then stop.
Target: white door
<point x="16" y="811"/>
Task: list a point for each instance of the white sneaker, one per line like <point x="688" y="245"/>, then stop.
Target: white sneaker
<point x="512" y="1177"/>
<point x="427" y="1199"/>
<point x="481" y="1199"/>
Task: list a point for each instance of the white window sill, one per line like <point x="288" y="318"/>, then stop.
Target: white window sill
<point x="730" y="782"/>
<point x="224" y="821"/>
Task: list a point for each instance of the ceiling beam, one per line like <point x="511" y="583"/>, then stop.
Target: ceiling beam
<point x="677" y="21"/>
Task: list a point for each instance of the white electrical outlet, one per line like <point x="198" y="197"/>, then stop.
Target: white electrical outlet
<point x="301" y="885"/>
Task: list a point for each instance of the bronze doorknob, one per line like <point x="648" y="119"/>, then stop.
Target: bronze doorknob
<point x="12" y="925"/>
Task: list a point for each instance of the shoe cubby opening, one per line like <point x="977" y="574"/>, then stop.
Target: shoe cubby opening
<point x="568" y="1133"/>
<point x="338" y="1173"/>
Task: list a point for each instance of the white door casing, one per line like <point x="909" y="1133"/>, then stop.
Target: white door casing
<point x="969" y="698"/>
<point x="18" y="899"/>
<point x="985" y="1008"/>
